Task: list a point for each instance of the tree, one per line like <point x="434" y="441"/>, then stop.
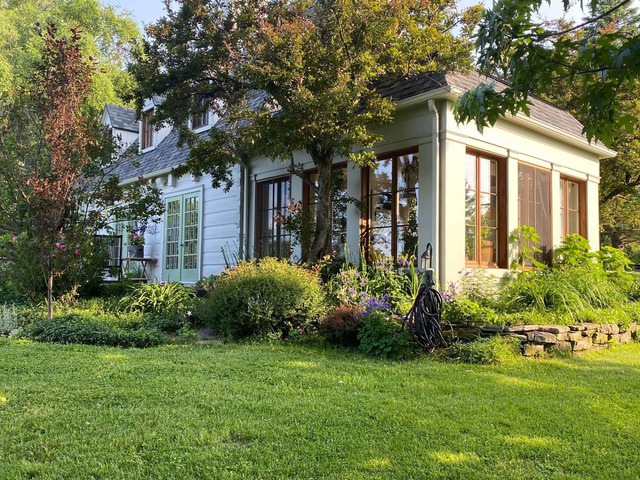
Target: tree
<point x="600" y="59"/>
<point x="108" y="36"/>
<point x="294" y="75"/>
<point x="620" y="176"/>
<point x="55" y="163"/>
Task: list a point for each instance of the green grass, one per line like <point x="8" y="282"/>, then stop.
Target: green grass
<point x="284" y="411"/>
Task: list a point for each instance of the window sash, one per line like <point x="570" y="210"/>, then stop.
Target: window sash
<point x="390" y="219"/>
<point x="484" y="214"/>
<point x="147" y="130"/>
<point x="534" y="204"/>
<point x="272" y="200"/>
<point x="572" y="207"/>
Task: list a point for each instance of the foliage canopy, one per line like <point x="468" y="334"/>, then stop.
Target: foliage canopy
<point x="600" y="59"/>
<point x="293" y="75"/>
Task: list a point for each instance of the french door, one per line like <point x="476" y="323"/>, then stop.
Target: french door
<point x="182" y="220"/>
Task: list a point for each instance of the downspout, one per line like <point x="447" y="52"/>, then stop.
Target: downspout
<point x="437" y="168"/>
<point x="245" y="191"/>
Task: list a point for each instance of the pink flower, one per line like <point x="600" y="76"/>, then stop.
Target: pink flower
<point x="77" y="252"/>
<point x="14" y="239"/>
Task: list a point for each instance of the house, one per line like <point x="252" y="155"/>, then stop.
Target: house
<point x="435" y="182"/>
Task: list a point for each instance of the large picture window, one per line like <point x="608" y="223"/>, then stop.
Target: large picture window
<point x="485" y="211"/>
<point x="572" y="210"/>
<point x="534" y="204"/>
<point x="272" y="200"/>
<point x="391" y="206"/>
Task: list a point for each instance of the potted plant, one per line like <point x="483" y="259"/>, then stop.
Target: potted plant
<point x="136" y="243"/>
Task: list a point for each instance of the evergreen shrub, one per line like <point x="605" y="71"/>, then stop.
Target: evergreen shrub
<point x="260" y="297"/>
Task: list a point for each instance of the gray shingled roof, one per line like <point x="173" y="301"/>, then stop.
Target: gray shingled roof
<point x="168" y="155"/>
<point x="165" y="156"/>
<point x="122" y="118"/>
<point x="540" y="110"/>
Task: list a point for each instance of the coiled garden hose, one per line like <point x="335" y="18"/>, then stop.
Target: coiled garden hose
<point x="423" y="320"/>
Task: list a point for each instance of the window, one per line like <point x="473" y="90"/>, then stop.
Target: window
<point x="147" y="130"/>
<point x="272" y="200"/>
<point x="391" y="206"/>
<point x="485" y="211"/>
<point x="201" y="118"/>
<point x="572" y="219"/>
<point x="534" y="204"/>
<point x="182" y="238"/>
<point x="338" y="206"/>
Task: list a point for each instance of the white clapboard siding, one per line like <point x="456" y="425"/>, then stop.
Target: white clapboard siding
<point x="220" y="223"/>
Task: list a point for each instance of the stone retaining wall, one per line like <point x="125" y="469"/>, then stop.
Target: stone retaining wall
<point x="539" y="338"/>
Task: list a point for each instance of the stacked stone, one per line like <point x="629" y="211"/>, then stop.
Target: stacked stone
<point x="536" y="339"/>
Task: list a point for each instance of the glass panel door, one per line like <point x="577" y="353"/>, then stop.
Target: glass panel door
<point x="190" y="234"/>
<point x="171" y="270"/>
<point x="182" y="238"/>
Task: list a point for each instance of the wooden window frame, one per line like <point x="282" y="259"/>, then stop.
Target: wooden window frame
<point x="502" y="235"/>
<point x="365" y="219"/>
<point x="259" y="210"/>
<point x="582" y="204"/>
<point x="146" y="134"/>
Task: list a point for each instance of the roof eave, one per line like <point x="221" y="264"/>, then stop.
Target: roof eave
<point x="442" y="93"/>
<point x="542" y="127"/>
<point x="147" y="176"/>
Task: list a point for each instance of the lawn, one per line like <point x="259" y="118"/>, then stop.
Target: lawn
<point x="286" y="411"/>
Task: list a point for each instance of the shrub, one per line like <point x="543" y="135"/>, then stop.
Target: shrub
<point x="396" y="283"/>
<point x="207" y="283"/>
<point x="168" y="322"/>
<point x="633" y="293"/>
<point x="533" y="317"/>
<point x="23" y="274"/>
<point x="487" y="351"/>
<point x="259" y="297"/>
<point x="477" y="285"/>
<point x="463" y="310"/>
<point x="91" y="330"/>
<point x="574" y="251"/>
<point x="569" y="291"/>
<point x="8" y="319"/>
<point x="383" y="337"/>
<point x="341" y="325"/>
<point x="158" y="298"/>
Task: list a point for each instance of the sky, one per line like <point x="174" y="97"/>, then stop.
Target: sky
<point x="148" y="11"/>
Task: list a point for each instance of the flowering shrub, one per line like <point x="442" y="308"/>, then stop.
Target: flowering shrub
<point x="384" y="283"/>
<point x="78" y="263"/>
<point x="261" y="297"/>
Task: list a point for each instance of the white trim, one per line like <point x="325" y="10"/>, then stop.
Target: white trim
<point x="552" y="131"/>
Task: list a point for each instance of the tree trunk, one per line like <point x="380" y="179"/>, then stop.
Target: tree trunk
<point x="321" y="244"/>
<point x="50" y="294"/>
<point x="616" y="239"/>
